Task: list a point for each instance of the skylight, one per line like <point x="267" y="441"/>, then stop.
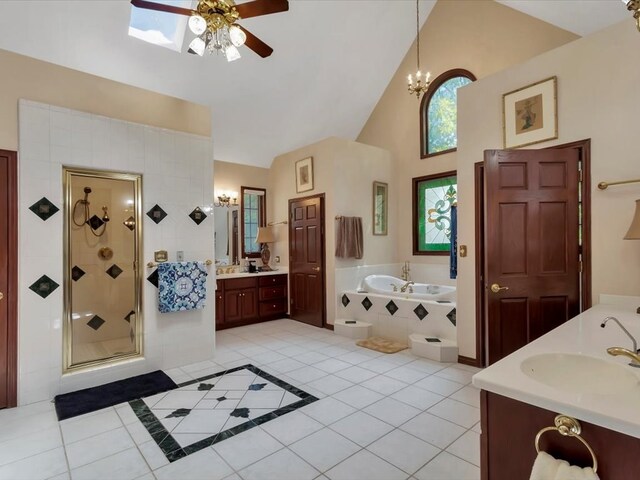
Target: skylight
<point x="160" y="28"/>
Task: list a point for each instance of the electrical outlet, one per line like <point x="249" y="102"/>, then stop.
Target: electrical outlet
<point x="277" y="258"/>
<point x="180" y="256"/>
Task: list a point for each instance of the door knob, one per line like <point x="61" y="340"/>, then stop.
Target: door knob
<point x="1" y="295"/>
<point x="495" y="288"/>
<point x="316" y="269"/>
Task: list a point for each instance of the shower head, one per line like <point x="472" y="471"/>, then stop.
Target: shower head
<point x="87" y="191"/>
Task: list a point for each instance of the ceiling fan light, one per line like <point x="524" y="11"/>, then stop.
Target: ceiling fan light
<point x="232" y="53"/>
<point x="237" y="36"/>
<point x="197" y="24"/>
<point x="197" y="46"/>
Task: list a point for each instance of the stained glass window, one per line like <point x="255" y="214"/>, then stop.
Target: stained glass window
<point x="439" y="113"/>
<point x="434" y="197"/>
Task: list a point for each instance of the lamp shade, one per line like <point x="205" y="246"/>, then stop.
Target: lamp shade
<point x="265" y="235"/>
<point x="634" y="229"/>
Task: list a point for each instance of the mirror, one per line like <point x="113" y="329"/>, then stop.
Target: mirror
<point x="227" y="234"/>
<point x="102" y="277"/>
<point x="254" y="208"/>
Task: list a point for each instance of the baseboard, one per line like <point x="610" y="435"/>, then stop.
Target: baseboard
<point x="328" y="326"/>
<point x="468" y="361"/>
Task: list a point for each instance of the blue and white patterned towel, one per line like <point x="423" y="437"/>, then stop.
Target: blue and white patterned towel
<point x="181" y="286"/>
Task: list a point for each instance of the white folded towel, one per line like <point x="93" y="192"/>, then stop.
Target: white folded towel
<point x="548" y="468"/>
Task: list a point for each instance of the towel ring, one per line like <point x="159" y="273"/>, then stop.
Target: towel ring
<point x="568" y="427"/>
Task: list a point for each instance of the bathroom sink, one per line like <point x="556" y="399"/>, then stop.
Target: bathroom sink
<point x="577" y="373"/>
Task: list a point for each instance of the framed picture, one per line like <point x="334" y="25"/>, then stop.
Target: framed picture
<point x="380" y="209"/>
<point x="433" y="197"/>
<point x="529" y="114"/>
<point x="304" y="175"/>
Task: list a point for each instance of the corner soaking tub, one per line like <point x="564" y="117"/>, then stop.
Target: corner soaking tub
<point x="383" y="284"/>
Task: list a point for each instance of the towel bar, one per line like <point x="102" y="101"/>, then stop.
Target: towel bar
<point x="154" y="264"/>
<point x="569" y="427"/>
<point x="338" y="217"/>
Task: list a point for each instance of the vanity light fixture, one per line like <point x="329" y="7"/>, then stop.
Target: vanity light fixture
<point x="225" y="199"/>
<point x="634" y="6"/>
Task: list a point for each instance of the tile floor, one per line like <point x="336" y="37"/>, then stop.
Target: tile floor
<point x="378" y="417"/>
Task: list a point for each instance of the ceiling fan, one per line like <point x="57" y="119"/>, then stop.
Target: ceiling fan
<point x="215" y="24"/>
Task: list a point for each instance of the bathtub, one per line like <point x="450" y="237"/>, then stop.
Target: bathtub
<point x="383" y="285"/>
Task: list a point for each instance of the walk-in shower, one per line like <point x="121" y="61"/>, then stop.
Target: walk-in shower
<point x="103" y="281"/>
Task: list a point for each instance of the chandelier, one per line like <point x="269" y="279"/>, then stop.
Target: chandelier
<point x="634" y="6"/>
<point x="214" y="25"/>
<point x="420" y="86"/>
<point x="224" y="199"/>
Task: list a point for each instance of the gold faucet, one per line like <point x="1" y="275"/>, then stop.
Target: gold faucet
<point x="635" y="358"/>
<point x="403" y="289"/>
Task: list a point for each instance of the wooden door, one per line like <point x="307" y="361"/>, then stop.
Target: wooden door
<point x="532" y="244"/>
<point x="8" y="278"/>
<point x="219" y="304"/>
<point x="249" y="303"/>
<point x="306" y="260"/>
<point x="232" y="306"/>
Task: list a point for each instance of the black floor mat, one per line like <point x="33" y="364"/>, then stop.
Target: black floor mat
<point x="89" y="400"/>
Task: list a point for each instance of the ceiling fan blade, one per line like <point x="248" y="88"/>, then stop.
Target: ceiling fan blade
<point x="255" y="44"/>
<point x="261" y="7"/>
<point x="161" y="7"/>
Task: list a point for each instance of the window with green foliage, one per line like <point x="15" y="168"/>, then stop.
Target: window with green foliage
<point x="439" y="112"/>
<point x="433" y="197"/>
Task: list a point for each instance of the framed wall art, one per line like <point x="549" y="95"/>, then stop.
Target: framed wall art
<point x="380" y="208"/>
<point x="529" y="114"/>
<point x="304" y="175"/>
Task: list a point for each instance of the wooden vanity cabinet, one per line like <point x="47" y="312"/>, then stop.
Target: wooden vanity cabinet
<point x="507" y="447"/>
<point x="251" y="299"/>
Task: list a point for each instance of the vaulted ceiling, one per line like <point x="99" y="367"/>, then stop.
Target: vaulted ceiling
<point x="332" y="61"/>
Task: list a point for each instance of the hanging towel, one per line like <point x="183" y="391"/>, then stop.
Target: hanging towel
<point x="453" y="253"/>
<point x="181" y="286"/>
<point x="349" y="237"/>
<point x="548" y="468"/>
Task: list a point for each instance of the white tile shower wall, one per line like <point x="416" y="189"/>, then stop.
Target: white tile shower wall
<point x="177" y="171"/>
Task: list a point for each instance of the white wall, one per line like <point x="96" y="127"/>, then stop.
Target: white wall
<point x="598" y="98"/>
<point x="177" y="171"/>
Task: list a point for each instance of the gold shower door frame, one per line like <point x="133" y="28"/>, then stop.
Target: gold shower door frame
<point x="136" y="179"/>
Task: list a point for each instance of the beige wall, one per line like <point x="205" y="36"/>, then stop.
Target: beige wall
<point x="232" y="176"/>
<point x="478" y="35"/>
<point x="344" y="171"/>
<point x="24" y="77"/>
<point x="597" y="98"/>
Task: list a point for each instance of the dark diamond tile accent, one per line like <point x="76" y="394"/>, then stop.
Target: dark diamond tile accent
<point x="345" y="300"/>
<point x="198" y="216"/>
<point x="257" y="386"/>
<point x="95" y="222"/>
<point x="240" y="412"/>
<point x="181" y="412"/>
<point x="156" y="214"/>
<point x="205" y="386"/>
<point x="128" y="316"/>
<point x="77" y="273"/>
<point x="44" y="286"/>
<point x="221" y="399"/>
<point x="44" y="208"/>
<point x="452" y="316"/>
<point x="153" y="278"/>
<point x="391" y="307"/>
<point x="114" y="270"/>
<point x="130" y="223"/>
<point x="366" y="303"/>
<point x="96" y="322"/>
<point x="420" y="311"/>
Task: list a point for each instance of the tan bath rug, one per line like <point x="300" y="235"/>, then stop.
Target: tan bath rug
<point x="381" y="345"/>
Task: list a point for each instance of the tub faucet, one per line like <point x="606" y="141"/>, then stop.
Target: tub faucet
<point x="615" y="351"/>
<point x="403" y="289"/>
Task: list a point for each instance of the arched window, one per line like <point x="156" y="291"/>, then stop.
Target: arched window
<point x="439" y="113"/>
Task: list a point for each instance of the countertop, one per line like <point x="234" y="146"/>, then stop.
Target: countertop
<point x="581" y="335"/>
<point x="279" y="271"/>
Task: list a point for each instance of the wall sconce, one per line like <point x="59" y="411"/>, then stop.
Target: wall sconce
<point x="225" y="199"/>
<point x="634" y="6"/>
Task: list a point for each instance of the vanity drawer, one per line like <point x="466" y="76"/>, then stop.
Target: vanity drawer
<point x="273" y="307"/>
<point x="272" y="280"/>
<point x="238" y="283"/>
<point x="272" y="292"/>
